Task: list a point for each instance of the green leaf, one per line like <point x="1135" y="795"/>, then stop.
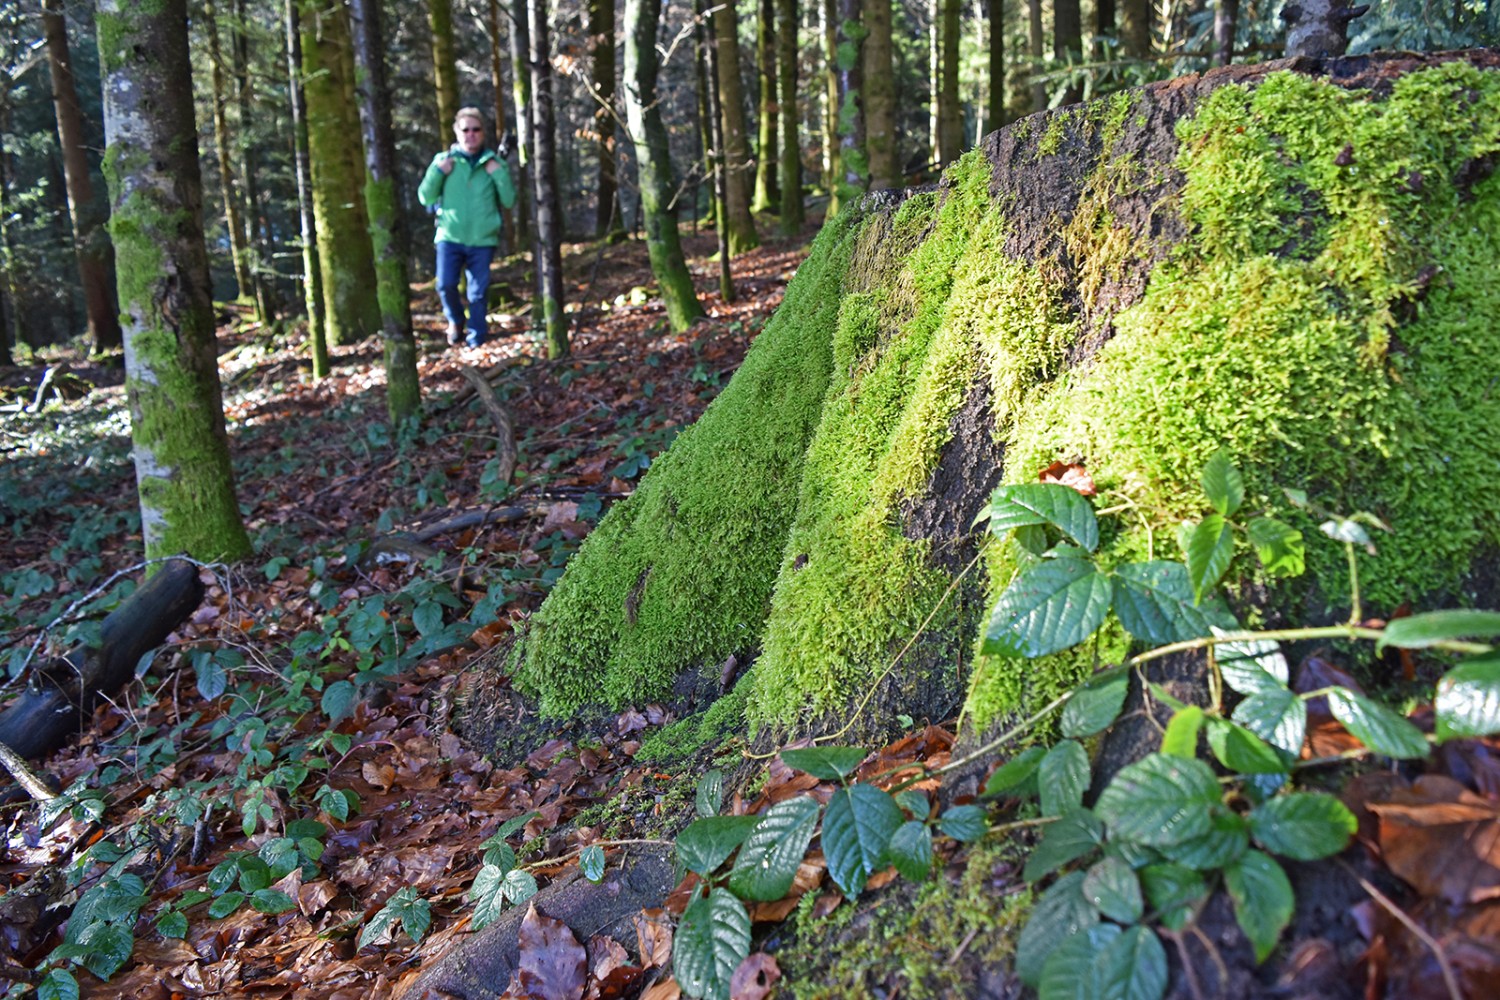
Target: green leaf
<point x="1433" y="627"/>
<point x="709" y="797"/>
<point x="711" y="942"/>
<point x="1154" y="601"/>
<point x="591" y="863"/>
<point x="1277" y="716"/>
<point x="1111" y="885"/>
<point x="1262" y="899"/>
<point x="109" y="947"/>
<point x="272" y="901"/>
<point x="172" y="924"/>
<point x="965" y="823"/>
<point x="1346" y="530"/>
<point x="1015" y="771"/>
<point x="1045" y="503"/>
<point x="1223" y="484"/>
<point x="1279" y="546"/>
<point x="1174" y="892"/>
<point x="1133" y="966"/>
<point x="225" y="905"/>
<point x="911" y="850"/>
<point x="914" y="801"/>
<point x="486" y="895"/>
<point x="339" y="699"/>
<point x="857" y="827"/>
<point x="1181" y="737"/>
<point x="213" y="680"/>
<point x="1209" y="550"/>
<point x="255" y="874"/>
<point x="1468" y="699"/>
<point x="1049" y="607"/>
<point x="413" y="912"/>
<point x="1095" y="705"/>
<point x="1380" y="728"/>
<point x="1072" y="971"/>
<point x="825" y="763"/>
<point x="1303" y="826"/>
<point x="1072" y="836"/>
<point x="518" y="886"/>
<point x="768" y="861"/>
<point x="707" y="843"/>
<point x="1058" y="915"/>
<point x="58" y="984"/>
<point x="1159" y="800"/>
<point x="1227" y="838"/>
<point x="1242" y="752"/>
<point x="510" y="826"/>
<point x="1250" y="666"/>
<point x="428" y="618"/>
<point x="1063" y="777"/>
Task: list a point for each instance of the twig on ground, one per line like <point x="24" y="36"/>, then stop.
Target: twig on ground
<point x="1450" y="981"/>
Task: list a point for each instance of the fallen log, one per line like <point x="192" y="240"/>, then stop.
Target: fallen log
<point x="61" y="693"/>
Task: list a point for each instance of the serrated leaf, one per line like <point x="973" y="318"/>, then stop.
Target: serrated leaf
<point x="255" y="874"/>
<point x="272" y="901"/>
<point x="500" y="855"/>
<point x="1227" y="838"/>
<point x="225" y="905"/>
<point x="1095" y="705"/>
<point x="825" y="763"/>
<point x="857" y="827"/>
<point x="1223" y="484"/>
<point x="1072" y="836"/>
<point x="172" y="924"/>
<point x="510" y="826"/>
<point x="109" y="946"/>
<point x="1279" y="546"/>
<point x="1063" y="777"/>
<point x="1277" y="716"/>
<point x="591" y="863"/>
<point x="415" y="913"/>
<point x="1262" y="899"/>
<point x="1154" y="601"/>
<point x="1133" y="966"/>
<point x="1111" y="885"/>
<point x="1159" y="801"/>
<point x="1181" y="737"/>
<point x="1173" y="891"/>
<point x="1242" y="752"/>
<point x="1049" y="607"/>
<point x="1072" y="971"/>
<point x="1045" y="503"/>
<point x="1208" y="552"/>
<point x="212" y="679"/>
<point x="768" y="861"/>
<point x="712" y="940"/>
<point x="1250" y="666"/>
<point x="914" y="801"/>
<point x="58" y="984"/>
<point x="518" y="886"/>
<point x="707" y="843"/>
<point x="1015" y="771"/>
<point x="428" y="617"/>
<point x="911" y="850"/>
<point x="1433" y="627"/>
<point x="709" y="796"/>
<point x="1380" y="728"/>
<point x="338" y="700"/>
<point x="1060" y="913"/>
<point x="1303" y="826"/>
<point x="1468" y="699"/>
<point x="486" y="896"/>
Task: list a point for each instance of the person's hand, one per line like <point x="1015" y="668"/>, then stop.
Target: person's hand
<point x="491" y="166"/>
<point x="446" y="164"/>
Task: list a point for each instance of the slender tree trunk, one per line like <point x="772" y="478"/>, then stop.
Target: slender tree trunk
<point x="1320" y="28"/>
<point x="654" y="165"/>
<point x="602" y="51"/>
<point x="791" y="150"/>
<point x="738" y="221"/>
<point x="719" y="165"/>
<point x="506" y="142"/>
<point x="1038" y="55"/>
<point x="766" y="194"/>
<point x="544" y="170"/>
<point x="90" y="243"/>
<point x="444" y="66"/>
<point x="1104" y="23"/>
<point x="312" y="272"/>
<point x="388" y="234"/>
<point x="829" y="23"/>
<point x="995" y="107"/>
<point x="708" y="169"/>
<point x="950" y="112"/>
<point x="851" y="40"/>
<point x="183" y="475"/>
<point x="1135" y="27"/>
<point x="338" y="174"/>
<point x="257" y="238"/>
<point x="1226" y="19"/>
<point x="520" y="55"/>
<point x="934" y="74"/>
<point x="880" y="96"/>
<point x="233" y="221"/>
<point x="1067" y="41"/>
<point x="7" y="286"/>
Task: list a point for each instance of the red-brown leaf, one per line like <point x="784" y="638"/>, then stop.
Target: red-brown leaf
<point x="756" y="977"/>
<point x="552" y="965"/>
<point x="1064" y="474"/>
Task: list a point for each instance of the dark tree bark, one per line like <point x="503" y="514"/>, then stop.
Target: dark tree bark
<point x="1038" y="54"/>
<point x="520" y="56"/>
<point x="90" y="241"/>
<point x="877" y="54"/>
<point x="234" y="222"/>
<point x="444" y="68"/>
<point x="829" y="24"/>
<point x="1135" y="27"/>
<point x="257" y="238"/>
<point x="1104" y="20"/>
<point x="544" y="182"/>
<point x="502" y="95"/>
<point x="1226" y="19"/>
<point x="602" y="59"/>
<point x="791" y="149"/>
<point x="851" y="76"/>
<point x="706" y="143"/>
<point x="950" y="131"/>
<point x="1319" y="28"/>
<point x="183" y="474"/>
<point x="312" y="272"/>
<point x="709" y="52"/>
<point x="1067" y="40"/>
<point x="741" y="226"/>
<point x="766" y="57"/>
<point x="995" y="103"/>
<point x="388" y="233"/>
<point x="654" y="165"/>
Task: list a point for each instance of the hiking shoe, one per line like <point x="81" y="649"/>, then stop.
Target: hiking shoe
<point x="454" y="334"/>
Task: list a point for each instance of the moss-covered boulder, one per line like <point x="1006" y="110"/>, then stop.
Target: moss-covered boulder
<point x="1297" y="262"/>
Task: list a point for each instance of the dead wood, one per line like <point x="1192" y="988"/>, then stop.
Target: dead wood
<point x="505" y="427"/>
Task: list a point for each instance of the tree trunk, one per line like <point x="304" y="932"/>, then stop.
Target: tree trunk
<point x="737" y="218"/>
<point x="934" y="75"/>
<point x="444" y="66"/>
<point x="182" y="465"/>
<point x="707" y="167"/>
<point x="1135" y="27"/>
<point x="950" y="112"/>
<point x="852" y="99"/>
<point x="1104" y="24"/>
<point x="791" y="149"/>
<point x="520" y="56"/>
<point x="1067" y="41"/>
<point x="1319" y="28"/>
<point x="995" y="107"/>
<point x="90" y="238"/>
<point x="708" y="51"/>
<point x="654" y="165"/>
<point x="234" y="222"/>
<point x="544" y="170"/>
<point x="1226" y="20"/>
<point x="766" y="56"/>
<point x="880" y="96"/>
<point x="257" y="237"/>
<point x="1038" y="55"/>
<point x="388" y="233"/>
<point x="9" y="325"/>
<point x="312" y="272"/>
<point x="505" y="141"/>
<point x="829" y="23"/>
<point x="338" y="175"/>
<point x="602" y="51"/>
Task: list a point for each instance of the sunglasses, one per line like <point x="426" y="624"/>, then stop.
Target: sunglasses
<point x="471" y="130"/>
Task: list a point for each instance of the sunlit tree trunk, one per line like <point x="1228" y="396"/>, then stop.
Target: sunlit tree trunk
<point x="791" y="149"/>
<point x="602" y="51"/>
<point x="257" y="239"/>
<point x="312" y="278"/>
<point x="183" y="475"/>
<point x="502" y="96"/>
<point x="995" y="103"/>
<point x="829" y="25"/>
<point x="716" y="161"/>
<point x="1038" y="55"/>
<point x="388" y="233"/>
<point x="1135" y="27"/>
<point x="94" y="252"/>
<point x="950" y="113"/>
<point x="1226" y="18"/>
<point x="544" y="183"/>
<point x="444" y="67"/>
<point x="737" y="218"/>
<point x="851" y="40"/>
<point x="880" y="96"/>
<point x="654" y="165"/>
<point x="234" y="222"/>
<point x="934" y="72"/>
<point x="520" y="82"/>
<point x="766" y="57"/>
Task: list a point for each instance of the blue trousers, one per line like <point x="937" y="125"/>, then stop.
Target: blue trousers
<point x="474" y="264"/>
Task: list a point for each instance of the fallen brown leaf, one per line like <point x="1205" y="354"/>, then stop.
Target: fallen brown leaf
<point x="1442" y="839"/>
<point x="552" y="964"/>
<point x="653" y="937"/>
<point x="756" y="977"/>
<point x="1064" y="474"/>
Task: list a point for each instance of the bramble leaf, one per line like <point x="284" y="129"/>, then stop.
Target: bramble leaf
<point x="825" y="763"/>
<point x="1277" y="716"/>
<point x="1223" y="484"/>
<point x="1303" y="826"/>
<point x="1063" y="777"/>
<point x="1468" y="699"/>
<point x="1059" y="913"/>
<point x="1111" y="885"/>
<point x="1279" y="546"/>
<point x="1208" y="552"/>
<point x="1381" y="729"/>
<point x="768" y="861"/>
<point x="1015" y="772"/>
<point x="708" y="842"/>
<point x="1071" y="837"/>
<point x="1096" y="704"/>
<point x="1159" y="801"/>
<point x="911" y="850"/>
<point x="1154" y="601"/>
<point x="1262" y="899"/>
<point x="712" y="940"/>
<point x="1045" y="503"/>
<point x="709" y="796"/>
<point x="1051" y="606"/>
<point x="1433" y="627"/>
<point x="857" y="827"/>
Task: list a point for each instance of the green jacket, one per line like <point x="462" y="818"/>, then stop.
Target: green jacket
<point x="469" y="199"/>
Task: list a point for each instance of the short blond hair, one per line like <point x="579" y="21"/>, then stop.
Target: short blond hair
<point x="473" y="113"/>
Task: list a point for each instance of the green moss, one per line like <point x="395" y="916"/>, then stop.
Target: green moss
<point x="680" y="740"/>
<point x="1051" y="141"/>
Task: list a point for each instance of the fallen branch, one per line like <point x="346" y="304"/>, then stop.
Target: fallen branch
<point x="506" y="446"/>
